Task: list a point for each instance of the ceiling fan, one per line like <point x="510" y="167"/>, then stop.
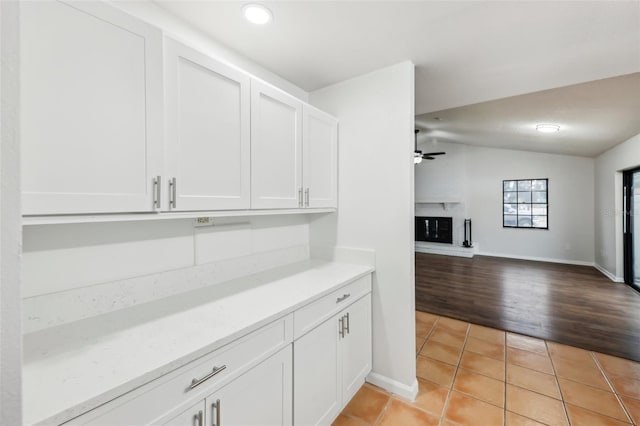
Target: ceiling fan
<point x="418" y="156"/>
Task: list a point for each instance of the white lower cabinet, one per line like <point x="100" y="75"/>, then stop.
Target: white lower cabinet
<point x="260" y="397"/>
<point x="298" y="370"/>
<point x="316" y="382"/>
<point x="331" y="363"/>
<point x="192" y="416"/>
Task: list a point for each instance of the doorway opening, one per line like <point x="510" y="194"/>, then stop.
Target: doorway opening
<point x="631" y="227"/>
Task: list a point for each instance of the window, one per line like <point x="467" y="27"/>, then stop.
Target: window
<point x="525" y="203"/>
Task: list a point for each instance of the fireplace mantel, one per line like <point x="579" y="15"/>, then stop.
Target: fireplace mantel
<point x="446" y="202"/>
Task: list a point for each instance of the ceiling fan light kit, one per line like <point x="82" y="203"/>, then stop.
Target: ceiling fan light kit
<point x="418" y="156"/>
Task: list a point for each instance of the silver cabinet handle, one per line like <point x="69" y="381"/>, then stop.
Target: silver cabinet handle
<point x="341" y="324"/>
<point x="306" y="197"/>
<point x="157" y="191"/>
<point x="216" y="407"/>
<point x="300" y="197"/>
<point x="199" y="418"/>
<point x="198" y="382"/>
<point x="347" y="322"/>
<point x="172" y="193"/>
<point x="343" y="298"/>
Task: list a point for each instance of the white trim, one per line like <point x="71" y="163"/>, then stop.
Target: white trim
<point x="446" y="250"/>
<point x="608" y="274"/>
<point x="407" y="392"/>
<point x="538" y="259"/>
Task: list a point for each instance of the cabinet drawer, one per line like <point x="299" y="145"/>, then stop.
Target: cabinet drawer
<point x="309" y="316"/>
<point x="153" y="401"/>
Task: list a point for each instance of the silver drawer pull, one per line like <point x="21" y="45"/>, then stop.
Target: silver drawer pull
<point x="344" y="297"/>
<point x="198" y="382"/>
<point x="347" y="323"/>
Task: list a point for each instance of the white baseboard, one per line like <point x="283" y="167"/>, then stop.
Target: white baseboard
<point x="446" y="250"/>
<point x="538" y="259"/>
<point x="407" y="392"/>
<point x="608" y="274"/>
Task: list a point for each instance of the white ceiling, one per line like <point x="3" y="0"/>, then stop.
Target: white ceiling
<point x="465" y="51"/>
<point x="593" y="117"/>
<point x="489" y="64"/>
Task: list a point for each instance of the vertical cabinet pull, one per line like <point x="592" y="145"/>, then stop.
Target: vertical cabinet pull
<point x="341" y="324"/>
<point x="198" y="418"/>
<point x="172" y="193"/>
<point x="306" y="197"/>
<point x="300" y="197"/>
<point x="215" y="409"/>
<point x="157" y="191"/>
<point x="347" y="322"/>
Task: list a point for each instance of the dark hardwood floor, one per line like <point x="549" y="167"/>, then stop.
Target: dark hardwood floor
<point x="573" y="305"/>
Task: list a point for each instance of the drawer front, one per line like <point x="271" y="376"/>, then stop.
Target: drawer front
<point x="151" y="402"/>
<point x="308" y="317"/>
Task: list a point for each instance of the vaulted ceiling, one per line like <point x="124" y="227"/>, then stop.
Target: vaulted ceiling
<point x="593" y="117"/>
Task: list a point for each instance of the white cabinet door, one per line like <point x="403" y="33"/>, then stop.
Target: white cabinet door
<point x="262" y="396"/>
<point x="320" y="158"/>
<point x="276" y="148"/>
<point x="316" y="375"/>
<point x="193" y="416"/>
<point x="208" y="113"/>
<point x="356" y="346"/>
<point x="91" y="109"/>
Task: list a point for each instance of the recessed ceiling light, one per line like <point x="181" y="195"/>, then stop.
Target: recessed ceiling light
<point x="547" y="128"/>
<point x="257" y="14"/>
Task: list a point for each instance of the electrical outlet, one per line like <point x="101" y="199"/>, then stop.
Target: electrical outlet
<point x="200" y="222"/>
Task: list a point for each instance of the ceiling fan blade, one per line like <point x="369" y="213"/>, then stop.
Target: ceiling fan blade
<point x="434" y="153"/>
<point x="426" y="157"/>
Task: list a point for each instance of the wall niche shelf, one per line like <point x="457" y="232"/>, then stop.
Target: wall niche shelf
<point x="132" y="217"/>
<point x="446" y="203"/>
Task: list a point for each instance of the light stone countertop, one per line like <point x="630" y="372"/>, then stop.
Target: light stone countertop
<point x="76" y="367"/>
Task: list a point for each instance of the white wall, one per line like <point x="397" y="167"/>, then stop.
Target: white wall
<point x="174" y="27"/>
<point x="376" y="113"/>
<point x="608" y="204"/>
<point x="76" y="271"/>
<point x="10" y="330"/>
<point x="570" y="237"/>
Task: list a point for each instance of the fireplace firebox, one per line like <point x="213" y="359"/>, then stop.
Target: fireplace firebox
<point x="434" y="229"/>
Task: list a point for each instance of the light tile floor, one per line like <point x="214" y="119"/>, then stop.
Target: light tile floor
<point x="474" y="375"/>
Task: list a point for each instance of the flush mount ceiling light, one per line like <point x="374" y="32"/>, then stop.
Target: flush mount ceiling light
<point x="547" y="128"/>
<point x="257" y="14"/>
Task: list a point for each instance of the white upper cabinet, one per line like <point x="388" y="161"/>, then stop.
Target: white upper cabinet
<point x="320" y="158"/>
<point x="208" y="124"/>
<point x="276" y="148"/>
<point x="91" y="109"/>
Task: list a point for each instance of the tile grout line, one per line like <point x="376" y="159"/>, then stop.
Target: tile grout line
<point x="383" y="411"/>
<point x="504" y="411"/>
<point x="455" y="374"/>
<point x="613" y="388"/>
<point x="555" y="375"/>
